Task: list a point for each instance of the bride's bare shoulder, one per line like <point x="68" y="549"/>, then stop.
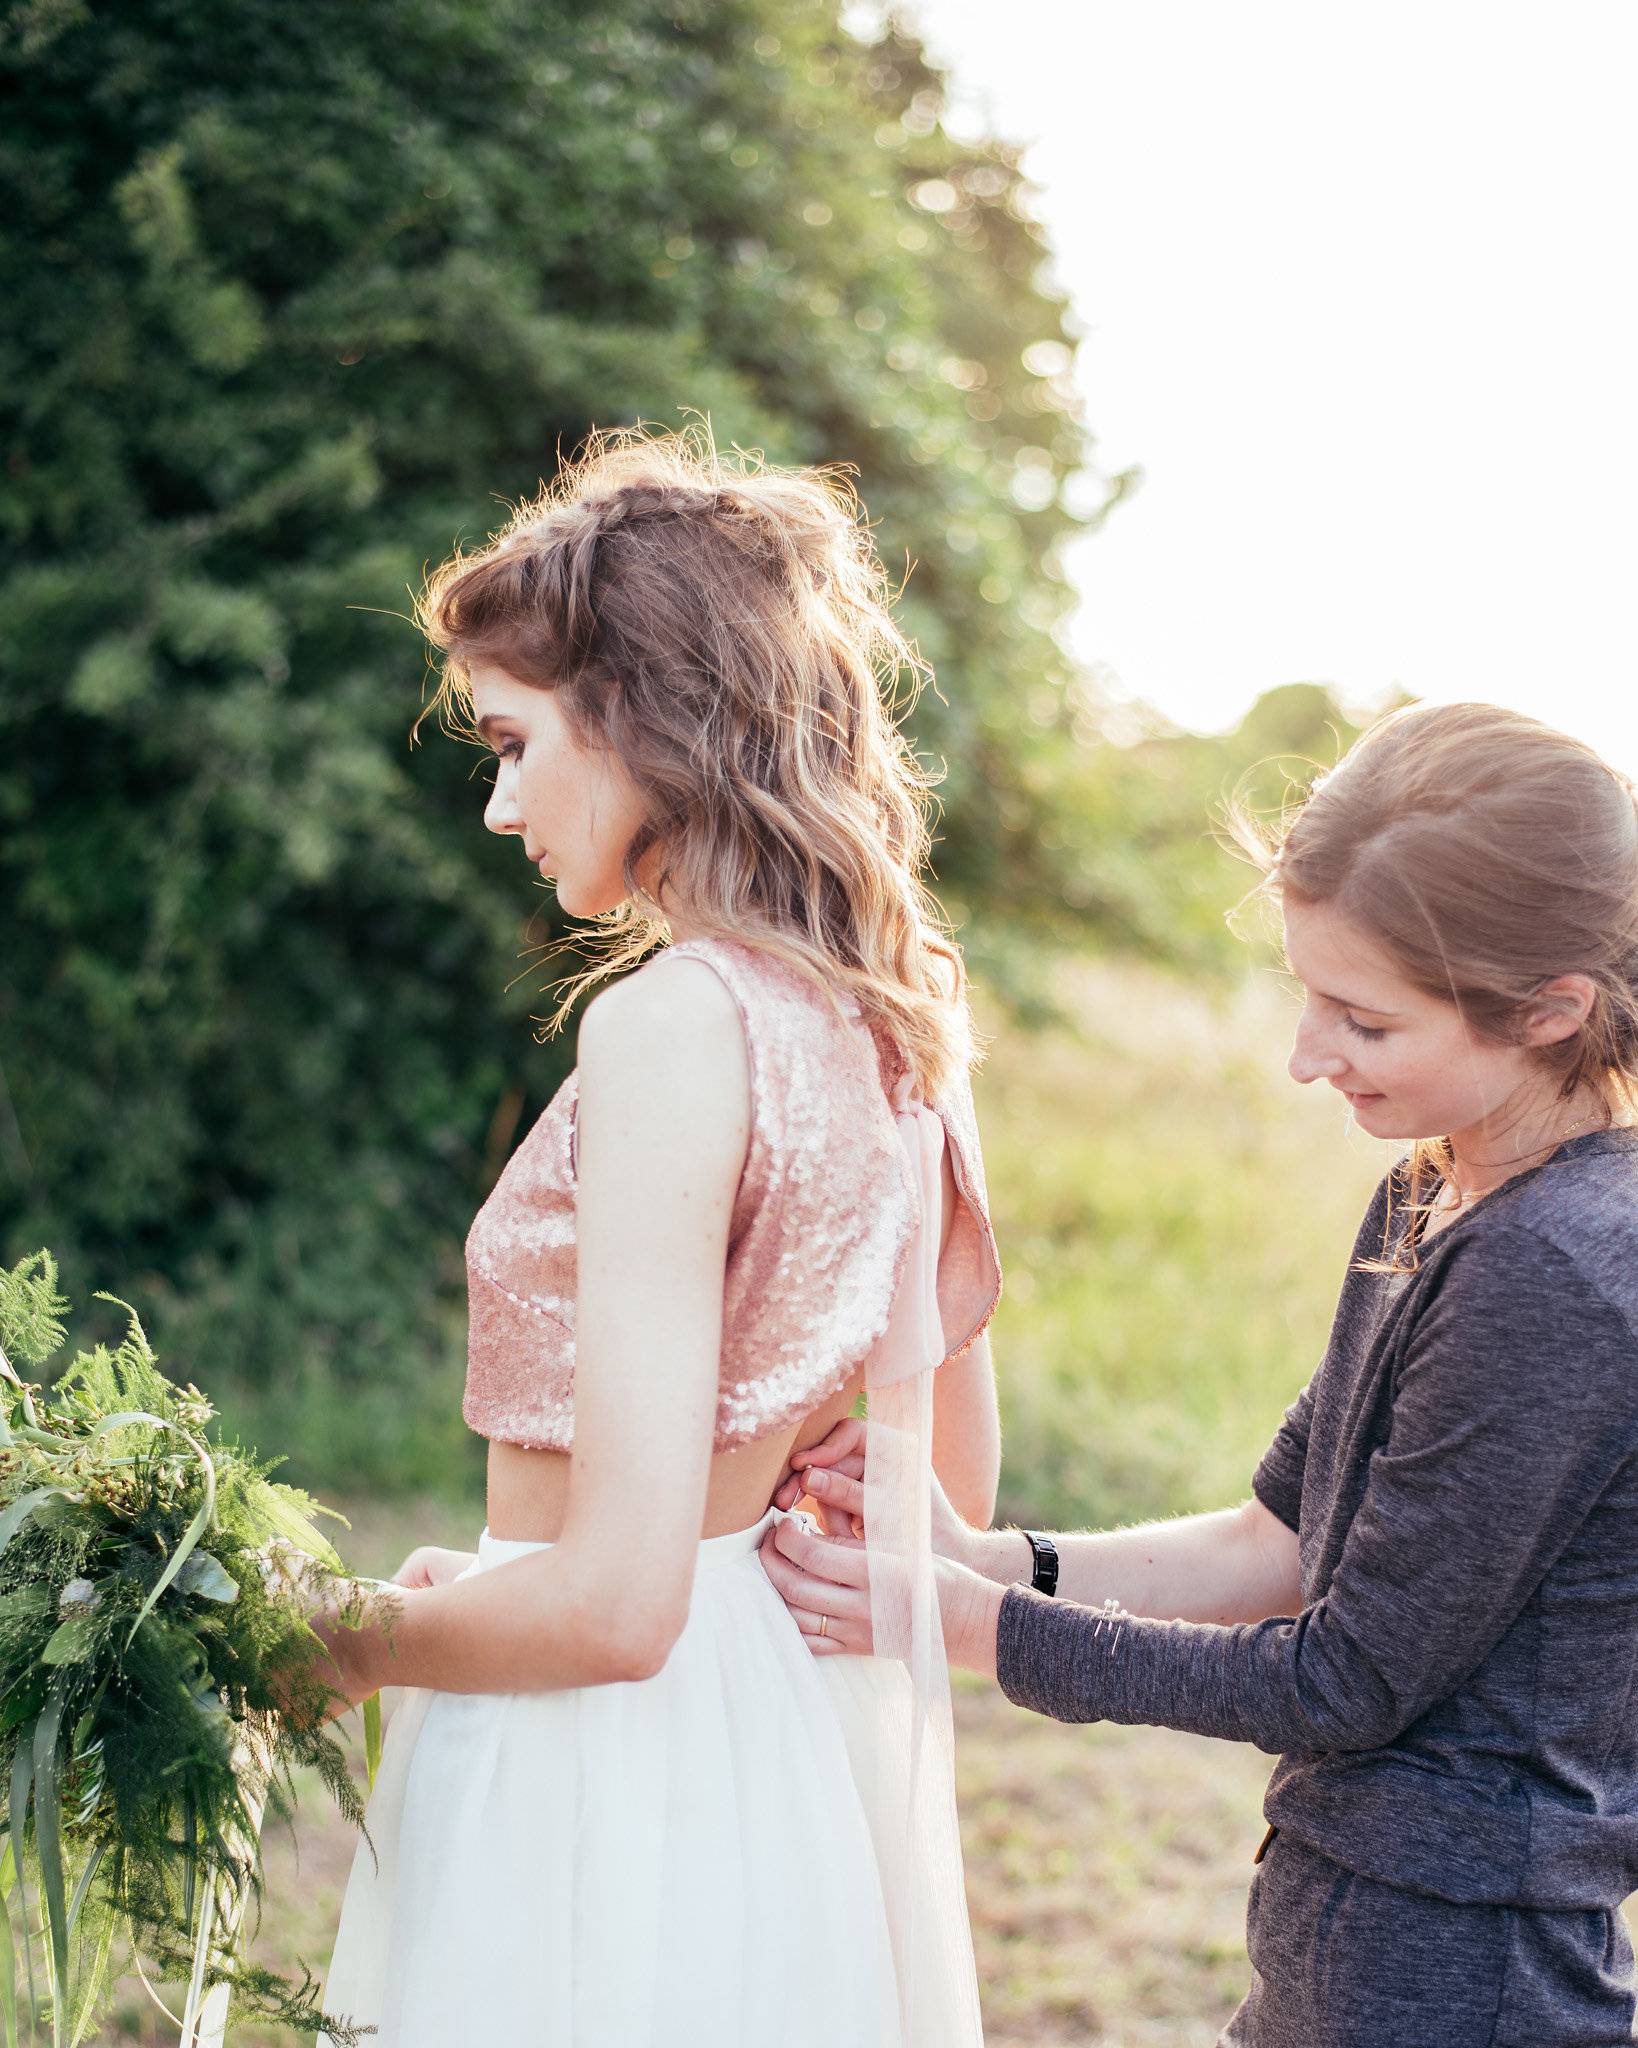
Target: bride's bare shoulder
<point x="673" y="1021"/>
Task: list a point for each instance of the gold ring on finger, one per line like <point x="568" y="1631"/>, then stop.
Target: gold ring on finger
<point x="824" y="1623"/>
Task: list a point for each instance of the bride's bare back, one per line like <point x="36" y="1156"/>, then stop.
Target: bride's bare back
<point x="528" y="1490"/>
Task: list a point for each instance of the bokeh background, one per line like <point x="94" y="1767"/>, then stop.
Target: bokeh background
<point x="295" y="298"/>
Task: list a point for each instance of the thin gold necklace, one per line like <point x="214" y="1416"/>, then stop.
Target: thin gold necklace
<point x="1478" y="1194"/>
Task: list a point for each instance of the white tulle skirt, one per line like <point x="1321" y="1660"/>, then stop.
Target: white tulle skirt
<point x="685" y="1862"/>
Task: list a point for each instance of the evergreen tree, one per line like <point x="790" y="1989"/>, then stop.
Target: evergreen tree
<point x="295" y="295"/>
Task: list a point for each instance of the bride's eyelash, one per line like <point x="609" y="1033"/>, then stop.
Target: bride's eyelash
<point x="1364" y="1030"/>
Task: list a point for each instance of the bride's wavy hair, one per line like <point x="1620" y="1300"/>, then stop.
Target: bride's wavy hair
<point x="1487" y="854"/>
<point x="725" y="627"/>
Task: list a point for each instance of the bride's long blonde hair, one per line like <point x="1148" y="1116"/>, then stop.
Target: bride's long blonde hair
<point x="725" y="628"/>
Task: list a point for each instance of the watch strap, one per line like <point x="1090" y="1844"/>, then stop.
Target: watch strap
<point x="1045" y="1553"/>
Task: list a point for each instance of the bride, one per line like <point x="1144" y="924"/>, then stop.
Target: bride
<point x="619" y="1803"/>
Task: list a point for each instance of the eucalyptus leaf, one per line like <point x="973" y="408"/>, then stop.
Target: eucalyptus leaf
<point x="23" y="1700"/>
<point x="204" y="1576"/>
<point x="73" y="1641"/>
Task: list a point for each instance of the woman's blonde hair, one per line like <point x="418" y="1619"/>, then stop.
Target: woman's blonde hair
<point x="1487" y="854"/>
<point x="724" y="627"/>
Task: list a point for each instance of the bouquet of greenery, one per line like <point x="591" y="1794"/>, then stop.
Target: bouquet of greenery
<point x="158" y="1682"/>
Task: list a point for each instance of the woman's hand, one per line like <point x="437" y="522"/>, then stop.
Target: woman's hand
<point x="822" y="1574"/>
<point x="831" y="1474"/>
<point x="430" y="1566"/>
<point x="825" y="1582"/>
<point x="351" y="1621"/>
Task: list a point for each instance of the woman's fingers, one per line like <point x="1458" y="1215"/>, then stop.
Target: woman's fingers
<point x="834" y="1561"/>
<point x="838" y="1491"/>
<point x="810" y="1597"/>
<point x="846" y="1440"/>
<point x="841" y="1451"/>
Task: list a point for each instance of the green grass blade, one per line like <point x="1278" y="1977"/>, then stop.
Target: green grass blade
<point x="128" y="1415"/>
<point x="190" y="1858"/>
<point x="11" y="1862"/>
<point x="190" y="1540"/>
<point x="91" y="1983"/>
<point x="372" y="1737"/>
<point x="22" y="1787"/>
<point x="21" y="1508"/>
<point x="8" y="1969"/>
<point x="48" y="1849"/>
<point x="92" y="1863"/>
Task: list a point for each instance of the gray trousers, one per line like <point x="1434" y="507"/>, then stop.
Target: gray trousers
<point x="1340" y="1961"/>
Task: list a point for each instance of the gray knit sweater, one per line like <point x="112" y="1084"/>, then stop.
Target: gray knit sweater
<point x="1456" y="1708"/>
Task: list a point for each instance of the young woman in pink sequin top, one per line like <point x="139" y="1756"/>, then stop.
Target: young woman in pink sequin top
<point x="620" y="1803"/>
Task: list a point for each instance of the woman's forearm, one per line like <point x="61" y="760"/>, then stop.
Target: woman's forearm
<point x="540" y="1623"/>
<point x="1238" y="1564"/>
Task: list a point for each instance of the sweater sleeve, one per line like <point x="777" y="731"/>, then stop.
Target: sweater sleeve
<point x="1515" y="1407"/>
<point x="1277" y="1482"/>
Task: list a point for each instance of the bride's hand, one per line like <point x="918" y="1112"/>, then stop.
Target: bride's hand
<point x="430" y="1566"/>
<point x="338" y="1667"/>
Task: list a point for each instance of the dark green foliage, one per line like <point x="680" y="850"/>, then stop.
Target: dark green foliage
<point x="154" y="1678"/>
<point x="306" y="291"/>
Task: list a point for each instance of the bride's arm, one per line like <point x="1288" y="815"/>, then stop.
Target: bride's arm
<point x="967" y="1433"/>
<point x="664" y="1116"/>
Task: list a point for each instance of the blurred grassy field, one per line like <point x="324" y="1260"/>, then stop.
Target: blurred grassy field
<point x="1175" y="1217"/>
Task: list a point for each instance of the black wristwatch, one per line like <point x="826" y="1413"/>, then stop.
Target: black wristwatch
<point x="1046" y="1563"/>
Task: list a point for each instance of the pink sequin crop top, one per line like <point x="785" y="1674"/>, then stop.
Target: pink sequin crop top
<point x="821" y="1227"/>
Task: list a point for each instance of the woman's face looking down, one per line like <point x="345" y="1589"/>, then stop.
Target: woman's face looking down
<point x="1406" y="1062"/>
<point x="572" y="804"/>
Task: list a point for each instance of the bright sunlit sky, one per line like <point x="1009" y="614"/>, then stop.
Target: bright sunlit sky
<point x="1357" y="292"/>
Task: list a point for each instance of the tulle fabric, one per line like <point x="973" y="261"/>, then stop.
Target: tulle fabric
<point x="685" y="1862"/>
<point x="896" y="1706"/>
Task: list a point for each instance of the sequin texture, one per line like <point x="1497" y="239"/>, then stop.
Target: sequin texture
<point x="821" y="1226"/>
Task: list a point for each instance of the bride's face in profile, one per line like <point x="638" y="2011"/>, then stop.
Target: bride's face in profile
<point x="573" y="805"/>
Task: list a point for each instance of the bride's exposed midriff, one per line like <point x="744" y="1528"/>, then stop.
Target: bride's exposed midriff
<point x="529" y="1489"/>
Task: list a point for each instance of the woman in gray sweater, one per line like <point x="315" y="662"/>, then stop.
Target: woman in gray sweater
<point x="1429" y="1608"/>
